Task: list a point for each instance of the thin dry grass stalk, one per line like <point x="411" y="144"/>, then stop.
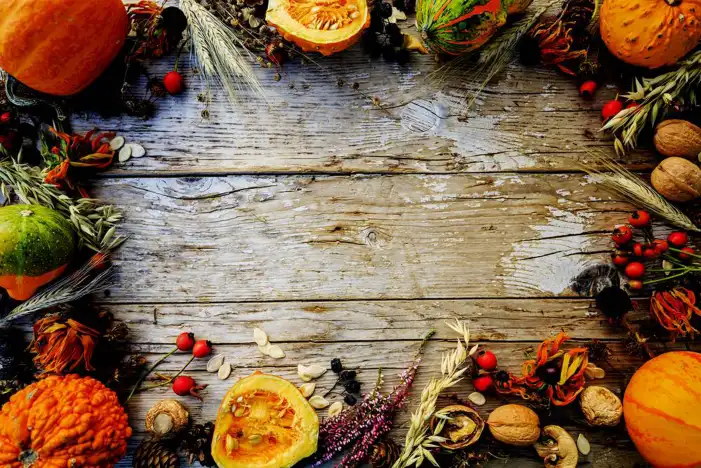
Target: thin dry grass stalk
<point x="620" y="180"/>
<point x="419" y="439"/>
<point x="221" y="56"/>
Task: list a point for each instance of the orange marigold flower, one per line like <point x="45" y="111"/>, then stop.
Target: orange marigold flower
<point x="673" y="311"/>
<point x="62" y="345"/>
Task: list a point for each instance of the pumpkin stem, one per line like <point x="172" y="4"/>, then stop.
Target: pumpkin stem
<point x="28" y="458"/>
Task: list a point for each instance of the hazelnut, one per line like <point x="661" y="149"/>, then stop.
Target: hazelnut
<point x="678" y="138"/>
<point x="601" y="407"/>
<point x="514" y="425"/>
<point x="677" y="180"/>
<point x="166" y="418"/>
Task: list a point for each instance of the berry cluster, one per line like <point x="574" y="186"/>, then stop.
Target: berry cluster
<point x="485" y="365"/>
<point x="631" y="255"/>
<point x="384" y="38"/>
<point x="347" y="378"/>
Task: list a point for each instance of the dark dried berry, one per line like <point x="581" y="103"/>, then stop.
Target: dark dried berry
<point x="352" y="386"/>
<point x="350" y="400"/>
<point x="385" y="10"/>
<point x="174" y="20"/>
<point x="336" y="366"/>
<point x="348" y="375"/>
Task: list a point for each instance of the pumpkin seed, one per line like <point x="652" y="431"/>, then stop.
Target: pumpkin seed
<point x="224" y="371"/>
<point x="477" y="398"/>
<point x="319" y="402"/>
<point x="215" y="363"/>
<point x="231" y="443"/>
<point x="594" y="372"/>
<point x="117" y="143"/>
<point x="125" y="153"/>
<point x="276" y="352"/>
<point x="233" y="408"/>
<point x="307" y="389"/>
<point x="265" y="350"/>
<point x="255" y="439"/>
<point x="335" y="409"/>
<point x="260" y="337"/>
<point x="137" y="151"/>
<point x="308" y="373"/>
<point x="583" y="445"/>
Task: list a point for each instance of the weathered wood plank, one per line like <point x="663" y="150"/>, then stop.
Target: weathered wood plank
<point x="373" y="237"/>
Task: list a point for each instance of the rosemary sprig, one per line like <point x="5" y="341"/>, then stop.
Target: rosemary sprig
<point x="220" y="53"/>
<point x="419" y="439"/>
<point x="620" y="180"/>
<point x="95" y="224"/>
<point x="656" y="97"/>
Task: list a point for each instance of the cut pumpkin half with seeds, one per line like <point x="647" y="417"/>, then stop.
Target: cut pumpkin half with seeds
<point x="324" y="26"/>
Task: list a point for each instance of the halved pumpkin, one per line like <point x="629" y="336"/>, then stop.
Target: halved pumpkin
<point x="324" y="26"/>
<point x="264" y="422"/>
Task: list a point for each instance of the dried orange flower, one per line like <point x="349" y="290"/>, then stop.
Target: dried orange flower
<point x="62" y="345"/>
<point x="673" y="311"/>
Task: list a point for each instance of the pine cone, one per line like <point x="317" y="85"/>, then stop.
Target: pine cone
<point x="384" y="454"/>
<point x="197" y="444"/>
<point x="579" y="12"/>
<point x="154" y="454"/>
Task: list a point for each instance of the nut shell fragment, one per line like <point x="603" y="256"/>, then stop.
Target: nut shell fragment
<point x="166" y="418"/>
<point x="463" y="427"/>
<point x="601" y="407"/>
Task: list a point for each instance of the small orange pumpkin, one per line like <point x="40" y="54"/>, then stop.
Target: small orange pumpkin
<point x="651" y="33"/>
<point x="60" y="47"/>
<point x="63" y="422"/>
<point x="662" y="409"/>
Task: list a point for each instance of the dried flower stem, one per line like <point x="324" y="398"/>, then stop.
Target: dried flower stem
<point x="419" y="440"/>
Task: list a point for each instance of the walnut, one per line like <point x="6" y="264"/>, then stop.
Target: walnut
<point x="678" y="138"/>
<point x="677" y="180"/>
<point x="167" y="418"/>
<point x="601" y="407"/>
<point x="514" y="425"/>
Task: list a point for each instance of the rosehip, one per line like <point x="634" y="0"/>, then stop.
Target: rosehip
<point x="483" y="383"/>
<point x="588" y="88"/>
<point x="639" y="219"/>
<point x="678" y="239"/>
<point x="661" y="245"/>
<point x="635" y="270"/>
<point x="622" y="235"/>
<point x="611" y="109"/>
<point x="185" y="341"/>
<point x="486" y="360"/>
<point x="620" y="260"/>
<point x="174" y="82"/>
<point x="202" y="348"/>
<point x="635" y="285"/>
<point x="5" y="118"/>
<point x="638" y="249"/>
<point x="184" y="385"/>
<point x="686" y="253"/>
<point x="650" y="253"/>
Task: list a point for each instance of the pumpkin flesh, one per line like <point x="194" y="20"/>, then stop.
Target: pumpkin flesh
<point x="662" y="410"/>
<point x="264" y="422"/>
<point x="60" y="47"/>
<point x="651" y="33"/>
<point x="324" y="26"/>
<point x="36" y="244"/>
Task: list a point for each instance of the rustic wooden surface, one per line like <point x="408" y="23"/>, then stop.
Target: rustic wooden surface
<point x="348" y="231"/>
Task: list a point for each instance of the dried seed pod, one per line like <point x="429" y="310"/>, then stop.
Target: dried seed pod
<point x="308" y="373"/>
<point x="166" y="418"/>
<point x="601" y="407"/>
<point x="307" y="389"/>
<point x="319" y="402"/>
<point x="677" y="180"/>
<point x="678" y="138"/>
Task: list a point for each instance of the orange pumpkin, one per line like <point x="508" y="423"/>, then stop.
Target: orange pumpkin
<point x="60" y="47"/>
<point x="662" y="409"/>
<point x="651" y="33"/>
<point x="67" y="421"/>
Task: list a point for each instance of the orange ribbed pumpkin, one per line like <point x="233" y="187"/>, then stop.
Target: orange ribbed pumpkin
<point x="69" y="421"/>
<point x="651" y="33"/>
<point x="60" y="47"/>
<point x="662" y="409"/>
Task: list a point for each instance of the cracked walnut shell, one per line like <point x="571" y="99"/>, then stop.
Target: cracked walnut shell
<point x="601" y="407"/>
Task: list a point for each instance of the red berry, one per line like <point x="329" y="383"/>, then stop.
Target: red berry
<point x="633" y="105"/>
<point x="620" y="260"/>
<point x="638" y="249"/>
<point x="678" y="239"/>
<point x="635" y="270"/>
<point x="611" y="109"/>
<point x="174" y="82"/>
<point x="588" y="88"/>
<point x="661" y="245"/>
<point x="183" y="385"/>
<point x="650" y="253"/>
<point x="185" y="341"/>
<point x="685" y="253"/>
<point x="639" y="219"/>
<point x="486" y="360"/>
<point x="202" y="348"/>
<point x="635" y="285"/>
<point x="5" y="118"/>
<point x="483" y="383"/>
<point x="622" y="235"/>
